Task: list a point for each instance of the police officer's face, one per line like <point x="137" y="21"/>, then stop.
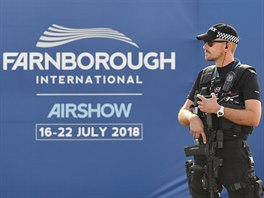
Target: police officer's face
<point x="214" y="50"/>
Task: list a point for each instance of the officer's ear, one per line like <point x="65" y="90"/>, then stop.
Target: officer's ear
<point x="227" y="46"/>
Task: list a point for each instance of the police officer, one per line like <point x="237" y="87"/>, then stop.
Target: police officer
<point x="236" y="114"/>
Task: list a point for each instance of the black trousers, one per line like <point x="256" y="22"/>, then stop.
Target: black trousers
<point x="236" y="167"/>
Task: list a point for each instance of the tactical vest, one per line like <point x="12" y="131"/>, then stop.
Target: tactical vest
<point x="230" y="129"/>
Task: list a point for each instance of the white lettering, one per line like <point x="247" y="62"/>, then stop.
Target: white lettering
<point x="87" y="61"/>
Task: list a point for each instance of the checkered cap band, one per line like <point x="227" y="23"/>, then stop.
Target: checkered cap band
<point x="228" y="37"/>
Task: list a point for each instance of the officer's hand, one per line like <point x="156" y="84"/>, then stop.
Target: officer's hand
<point x="197" y="128"/>
<point x="208" y="105"/>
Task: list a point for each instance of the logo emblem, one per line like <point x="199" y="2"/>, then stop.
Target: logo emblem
<point x="58" y="35"/>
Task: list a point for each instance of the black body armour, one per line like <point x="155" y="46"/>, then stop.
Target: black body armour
<point x="228" y="94"/>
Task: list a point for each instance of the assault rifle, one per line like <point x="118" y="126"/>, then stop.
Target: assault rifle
<point x="210" y="170"/>
<point x="214" y="141"/>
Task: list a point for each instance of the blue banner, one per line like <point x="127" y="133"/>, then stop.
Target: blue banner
<point x="90" y="92"/>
